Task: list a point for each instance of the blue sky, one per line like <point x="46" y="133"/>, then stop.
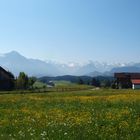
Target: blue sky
<point x="72" y="30"/>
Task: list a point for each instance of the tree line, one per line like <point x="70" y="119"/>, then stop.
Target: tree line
<point x="24" y="82"/>
<point x="98" y="82"/>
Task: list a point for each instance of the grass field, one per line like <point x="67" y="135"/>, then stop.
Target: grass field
<point x="78" y="115"/>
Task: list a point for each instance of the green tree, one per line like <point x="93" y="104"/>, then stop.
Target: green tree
<point x="22" y="81"/>
<point x="95" y="82"/>
<point x="106" y="83"/>
<point x="80" y="81"/>
<point x="31" y="81"/>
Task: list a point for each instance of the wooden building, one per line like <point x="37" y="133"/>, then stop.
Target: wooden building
<point x="127" y="80"/>
<point x="6" y="80"/>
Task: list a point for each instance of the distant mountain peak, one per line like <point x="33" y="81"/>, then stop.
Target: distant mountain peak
<point x="13" y="53"/>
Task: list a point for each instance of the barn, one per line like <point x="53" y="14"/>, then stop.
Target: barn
<point x="6" y="80"/>
<point x="127" y="80"/>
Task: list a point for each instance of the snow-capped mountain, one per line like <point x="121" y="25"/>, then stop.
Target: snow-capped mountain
<point x="15" y="62"/>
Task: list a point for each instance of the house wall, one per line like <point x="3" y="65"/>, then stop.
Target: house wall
<point x="124" y="83"/>
<point x="6" y="80"/>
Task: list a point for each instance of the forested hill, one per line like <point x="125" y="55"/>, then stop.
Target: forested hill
<point x="73" y="79"/>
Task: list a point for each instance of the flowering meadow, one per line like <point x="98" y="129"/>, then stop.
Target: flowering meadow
<point x="78" y="115"/>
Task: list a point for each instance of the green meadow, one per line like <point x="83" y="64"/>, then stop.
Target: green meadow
<point x="71" y="115"/>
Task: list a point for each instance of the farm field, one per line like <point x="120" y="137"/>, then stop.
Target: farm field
<point x="76" y="115"/>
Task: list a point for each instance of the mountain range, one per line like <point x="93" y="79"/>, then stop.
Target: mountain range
<point x="15" y="63"/>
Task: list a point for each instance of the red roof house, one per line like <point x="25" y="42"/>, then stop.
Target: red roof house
<point x="127" y="80"/>
<point x="135" y="83"/>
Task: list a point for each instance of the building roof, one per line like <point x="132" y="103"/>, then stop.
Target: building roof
<point x="127" y="75"/>
<point x="7" y="72"/>
<point x="135" y="81"/>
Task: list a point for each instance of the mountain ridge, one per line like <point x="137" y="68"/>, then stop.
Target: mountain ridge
<point x="15" y="62"/>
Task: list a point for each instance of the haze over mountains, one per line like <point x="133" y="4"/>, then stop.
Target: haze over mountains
<point x="15" y="62"/>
